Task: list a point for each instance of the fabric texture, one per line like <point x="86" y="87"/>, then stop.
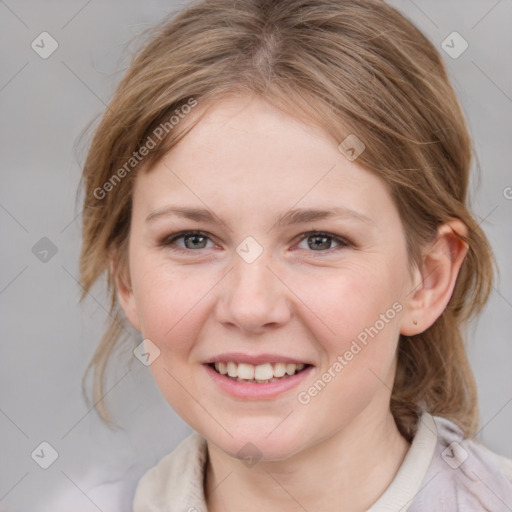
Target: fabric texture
<point x="442" y="471"/>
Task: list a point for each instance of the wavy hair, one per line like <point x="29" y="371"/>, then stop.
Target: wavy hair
<point x="350" y="67"/>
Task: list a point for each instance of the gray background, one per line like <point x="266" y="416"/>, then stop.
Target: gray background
<point x="47" y="338"/>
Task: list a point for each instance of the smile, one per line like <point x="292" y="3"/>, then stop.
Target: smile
<point x="260" y="374"/>
<point x="261" y="381"/>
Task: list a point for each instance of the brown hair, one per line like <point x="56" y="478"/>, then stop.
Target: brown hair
<point x="350" y="67"/>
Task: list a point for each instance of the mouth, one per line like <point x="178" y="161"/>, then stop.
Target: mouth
<point x="258" y="374"/>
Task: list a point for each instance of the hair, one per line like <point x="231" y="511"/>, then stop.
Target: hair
<point x="349" y="67"/>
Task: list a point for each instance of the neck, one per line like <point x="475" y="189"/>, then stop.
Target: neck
<point x="353" y="467"/>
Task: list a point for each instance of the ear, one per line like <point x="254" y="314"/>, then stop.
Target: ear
<point x="120" y="271"/>
<point x="435" y="280"/>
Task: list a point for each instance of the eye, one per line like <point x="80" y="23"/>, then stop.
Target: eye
<point x="192" y="240"/>
<point x="319" y="241"/>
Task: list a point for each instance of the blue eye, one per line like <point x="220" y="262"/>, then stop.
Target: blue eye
<point x="321" y="239"/>
<point x="195" y="240"/>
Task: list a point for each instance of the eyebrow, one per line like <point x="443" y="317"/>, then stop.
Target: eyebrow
<point x="297" y="216"/>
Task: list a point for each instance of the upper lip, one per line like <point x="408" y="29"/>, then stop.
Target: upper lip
<point x="239" y="357"/>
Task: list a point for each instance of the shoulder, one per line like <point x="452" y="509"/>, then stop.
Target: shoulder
<point x="464" y="475"/>
<point x="175" y="482"/>
<point x="473" y="454"/>
<point x="503" y="463"/>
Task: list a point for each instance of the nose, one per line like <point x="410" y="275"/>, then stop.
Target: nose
<point x="252" y="297"/>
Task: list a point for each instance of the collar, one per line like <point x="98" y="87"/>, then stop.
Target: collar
<point x="176" y="482"/>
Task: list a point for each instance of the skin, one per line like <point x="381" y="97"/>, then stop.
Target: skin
<point x="248" y="163"/>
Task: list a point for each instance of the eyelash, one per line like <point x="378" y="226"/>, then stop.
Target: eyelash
<point x="170" y="239"/>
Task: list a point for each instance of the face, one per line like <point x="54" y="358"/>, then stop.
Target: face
<point x="264" y="283"/>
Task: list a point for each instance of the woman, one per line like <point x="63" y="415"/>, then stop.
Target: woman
<point x="277" y="193"/>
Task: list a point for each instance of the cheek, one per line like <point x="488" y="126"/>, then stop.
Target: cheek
<point x="362" y="311"/>
<point x="356" y="325"/>
<point x="172" y="314"/>
<point x="168" y="302"/>
<point x="350" y="299"/>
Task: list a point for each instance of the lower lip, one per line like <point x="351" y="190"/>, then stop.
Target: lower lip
<point x="253" y="390"/>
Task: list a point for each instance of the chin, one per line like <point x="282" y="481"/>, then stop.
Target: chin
<point x="257" y="442"/>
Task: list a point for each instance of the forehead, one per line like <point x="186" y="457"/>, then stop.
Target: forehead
<point x="246" y="153"/>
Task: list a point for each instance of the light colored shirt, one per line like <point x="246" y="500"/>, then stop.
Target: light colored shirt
<point x="441" y="472"/>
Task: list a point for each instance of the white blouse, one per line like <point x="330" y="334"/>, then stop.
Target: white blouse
<point x="441" y="472"/>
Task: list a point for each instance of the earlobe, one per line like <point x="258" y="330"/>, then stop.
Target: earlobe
<point x="436" y="279"/>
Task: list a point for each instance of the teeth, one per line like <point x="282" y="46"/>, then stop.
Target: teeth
<point x="261" y="373"/>
<point x="246" y="371"/>
<point x="290" y="368"/>
<point x="279" y="369"/>
<point x="232" y="369"/>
